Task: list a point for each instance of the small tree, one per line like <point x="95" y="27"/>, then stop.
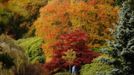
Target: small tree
<point x="70" y="49"/>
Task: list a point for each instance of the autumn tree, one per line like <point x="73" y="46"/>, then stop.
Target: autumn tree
<point x="70" y="49"/>
<point x="96" y="17"/>
<point x="49" y="25"/>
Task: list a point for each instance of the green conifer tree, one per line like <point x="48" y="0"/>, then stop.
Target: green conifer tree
<point x="124" y="45"/>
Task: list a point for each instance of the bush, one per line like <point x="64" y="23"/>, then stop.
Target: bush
<point x="12" y="57"/>
<point x="32" y="48"/>
<point x="100" y="66"/>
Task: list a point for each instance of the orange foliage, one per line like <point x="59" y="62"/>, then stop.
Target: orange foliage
<point x="96" y="17"/>
<point x="49" y="25"/>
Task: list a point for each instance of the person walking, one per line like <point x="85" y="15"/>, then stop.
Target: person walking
<point x="74" y="72"/>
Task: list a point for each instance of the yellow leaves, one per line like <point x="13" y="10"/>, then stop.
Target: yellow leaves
<point x="17" y="6"/>
<point x="69" y="56"/>
<point x="25" y="8"/>
<point x="47" y="51"/>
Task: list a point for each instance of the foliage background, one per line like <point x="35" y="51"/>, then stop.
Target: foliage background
<point x="53" y="35"/>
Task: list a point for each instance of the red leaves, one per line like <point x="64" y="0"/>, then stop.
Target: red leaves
<point x="55" y="63"/>
<point x="75" y="41"/>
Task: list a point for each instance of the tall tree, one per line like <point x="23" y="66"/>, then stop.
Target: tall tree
<point x="124" y="45"/>
<point x="61" y="16"/>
